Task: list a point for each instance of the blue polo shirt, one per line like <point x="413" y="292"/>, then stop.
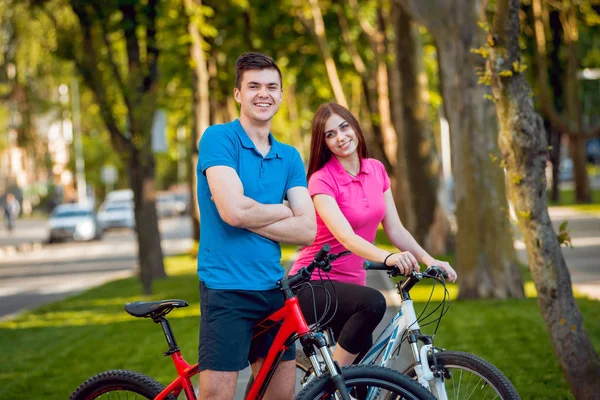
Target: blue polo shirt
<point x="236" y="258"/>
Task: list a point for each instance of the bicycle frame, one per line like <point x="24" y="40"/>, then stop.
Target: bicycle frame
<point x="391" y="338"/>
<point x="293" y="322"/>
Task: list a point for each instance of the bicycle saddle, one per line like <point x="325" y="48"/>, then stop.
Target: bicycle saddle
<point x="153" y="309"/>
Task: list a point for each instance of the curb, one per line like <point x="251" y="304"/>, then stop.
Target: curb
<point x="24" y="247"/>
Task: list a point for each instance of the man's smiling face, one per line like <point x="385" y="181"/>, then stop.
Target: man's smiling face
<point x="260" y="94"/>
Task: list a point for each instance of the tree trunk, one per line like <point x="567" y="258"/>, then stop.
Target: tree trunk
<point x="374" y="135"/>
<point x="556" y="80"/>
<point x="137" y="90"/>
<point x="419" y="150"/>
<point x="573" y="105"/>
<point x="523" y="144"/>
<point x="141" y="172"/>
<point x="390" y="136"/>
<point x="401" y="185"/>
<point x="572" y="126"/>
<point x="485" y="256"/>
<point x="318" y="28"/>
<point x="555" y="145"/>
<point x="294" y="117"/>
<point x="193" y="161"/>
<point x="201" y="104"/>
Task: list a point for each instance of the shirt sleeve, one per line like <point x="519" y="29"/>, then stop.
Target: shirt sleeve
<point x="217" y="147"/>
<point x="384" y="175"/>
<point x="320" y="183"/>
<point x="296" y="176"/>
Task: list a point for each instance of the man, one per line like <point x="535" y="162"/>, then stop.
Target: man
<point x="11" y="211"/>
<point x="244" y="175"/>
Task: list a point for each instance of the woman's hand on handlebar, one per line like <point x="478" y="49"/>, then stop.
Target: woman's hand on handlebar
<point x="445" y="266"/>
<point x="404" y="261"/>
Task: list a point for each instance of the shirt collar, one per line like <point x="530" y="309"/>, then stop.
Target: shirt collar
<point x="340" y="173"/>
<point x="274" y="152"/>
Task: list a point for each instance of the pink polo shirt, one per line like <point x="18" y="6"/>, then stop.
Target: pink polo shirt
<point x="361" y="201"/>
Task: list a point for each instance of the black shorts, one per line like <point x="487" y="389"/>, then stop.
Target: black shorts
<point x="227" y="320"/>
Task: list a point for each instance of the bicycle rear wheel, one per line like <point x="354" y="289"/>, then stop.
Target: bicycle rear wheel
<point x="118" y="384"/>
<point x="367" y="381"/>
<point x="468" y="376"/>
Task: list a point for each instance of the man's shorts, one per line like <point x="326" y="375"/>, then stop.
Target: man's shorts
<point x="227" y="323"/>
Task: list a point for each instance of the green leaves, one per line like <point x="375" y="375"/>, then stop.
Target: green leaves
<point x="564" y="237"/>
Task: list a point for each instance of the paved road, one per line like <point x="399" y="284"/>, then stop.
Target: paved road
<point x="583" y="260"/>
<point x="30" y="279"/>
<point x="26" y="231"/>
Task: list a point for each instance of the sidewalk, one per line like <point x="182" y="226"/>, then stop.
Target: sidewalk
<point x="583" y="260"/>
<point x="28" y="235"/>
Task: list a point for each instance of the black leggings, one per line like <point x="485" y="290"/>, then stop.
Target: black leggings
<point x="359" y="311"/>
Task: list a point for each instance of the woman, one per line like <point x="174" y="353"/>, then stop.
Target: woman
<point x="352" y="196"/>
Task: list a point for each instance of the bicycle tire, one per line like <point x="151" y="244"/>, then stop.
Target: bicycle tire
<point x="101" y="386"/>
<point x="302" y="362"/>
<point x="490" y="377"/>
<point x="359" y="378"/>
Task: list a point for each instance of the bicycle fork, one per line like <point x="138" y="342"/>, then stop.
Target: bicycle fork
<point x="317" y="340"/>
<point x="425" y="375"/>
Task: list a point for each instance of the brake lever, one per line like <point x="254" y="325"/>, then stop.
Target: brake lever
<point x="333" y="257"/>
<point x="342" y="254"/>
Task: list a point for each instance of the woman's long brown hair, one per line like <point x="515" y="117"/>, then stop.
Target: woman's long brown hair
<point x="319" y="152"/>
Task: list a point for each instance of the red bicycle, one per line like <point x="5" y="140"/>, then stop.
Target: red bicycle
<point x="354" y="382"/>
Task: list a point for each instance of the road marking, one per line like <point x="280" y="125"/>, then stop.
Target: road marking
<point x="577" y="242"/>
<point x="9" y="291"/>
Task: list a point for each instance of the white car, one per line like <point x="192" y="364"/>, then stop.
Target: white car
<point x="182" y="203"/>
<point x="73" y="221"/>
<point x="119" y="195"/>
<point x="116" y="214"/>
<point x="166" y="205"/>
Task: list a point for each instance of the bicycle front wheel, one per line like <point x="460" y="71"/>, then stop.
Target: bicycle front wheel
<point x="367" y="382"/>
<point x="118" y="384"/>
<point x="468" y="376"/>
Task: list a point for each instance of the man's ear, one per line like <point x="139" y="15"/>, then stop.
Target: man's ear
<point x="236" y="95"/>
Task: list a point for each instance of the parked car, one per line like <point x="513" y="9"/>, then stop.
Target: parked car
<point x="182" y="203"/>
<point x="166" y="205"/>
<point x="73" y="222"/>
<point x="116" y="214"/>
<point x="119" y="195"/>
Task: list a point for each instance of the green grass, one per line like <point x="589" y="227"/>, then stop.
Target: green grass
<point x="567" y="199"/>
<point x="48" y="352"/>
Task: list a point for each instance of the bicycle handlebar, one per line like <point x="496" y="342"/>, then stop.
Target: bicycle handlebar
<point x="321" y="254"/>
<point x="367" y="265"/>
<point x="321" y="261"/>
<point x="431" y="272"/>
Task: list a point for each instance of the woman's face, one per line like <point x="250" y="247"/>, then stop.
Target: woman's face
<point x="340" y="137"/>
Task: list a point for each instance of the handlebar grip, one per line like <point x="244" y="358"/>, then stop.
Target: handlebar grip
<point x="302" y="276"/>
<point x="367" y="265"/>
<point x="321" y="254"/>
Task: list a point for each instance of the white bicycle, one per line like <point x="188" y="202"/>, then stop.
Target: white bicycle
<point x="402" y="347"/>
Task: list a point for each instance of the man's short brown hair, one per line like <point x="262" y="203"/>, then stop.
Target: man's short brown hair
<point x="253" y="61"/>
